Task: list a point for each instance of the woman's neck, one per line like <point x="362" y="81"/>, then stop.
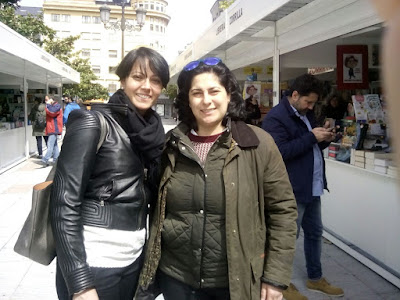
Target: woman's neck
<point x="206" y="131"/>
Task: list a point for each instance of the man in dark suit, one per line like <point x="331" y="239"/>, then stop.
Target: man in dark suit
<point x="292" y="125"/>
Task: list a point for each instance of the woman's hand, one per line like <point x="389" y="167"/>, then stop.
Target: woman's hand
<point x="89" y="294"/>
<point x="269" y="292"/>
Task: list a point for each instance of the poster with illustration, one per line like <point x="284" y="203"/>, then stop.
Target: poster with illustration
<point x="252" y="91"/>
<point x="352" y="66"/>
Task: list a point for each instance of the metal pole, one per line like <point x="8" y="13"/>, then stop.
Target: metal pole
<point x="123" y="31"/>
<point x="275" y="76"/>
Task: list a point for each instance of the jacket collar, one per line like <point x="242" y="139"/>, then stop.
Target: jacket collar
<point x="285" y="102"/>
<point x="242" y="134"/>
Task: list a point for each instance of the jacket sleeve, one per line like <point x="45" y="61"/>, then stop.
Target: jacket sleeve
<point x="74" y="167"/>
<point x="53" y="114"/>
<point x="66" y="113"/>
<point x="281" y="215"/>
<point x="289" y="147"/>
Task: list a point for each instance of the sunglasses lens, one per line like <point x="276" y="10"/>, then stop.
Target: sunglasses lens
<point x="211" y="61"/>
<point x="192" y="65"/>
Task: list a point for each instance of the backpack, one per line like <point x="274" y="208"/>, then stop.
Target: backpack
<point x="40" y="122"/>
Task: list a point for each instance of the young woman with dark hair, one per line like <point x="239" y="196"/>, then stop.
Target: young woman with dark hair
<point x="100" y="198"/>
<point x="225" y="221"/>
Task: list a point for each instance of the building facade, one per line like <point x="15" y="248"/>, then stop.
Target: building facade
<point x="103" y="46"/>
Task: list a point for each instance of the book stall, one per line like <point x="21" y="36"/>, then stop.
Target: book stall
<point x="361" y="209"/>
<point x="363" y="140"/>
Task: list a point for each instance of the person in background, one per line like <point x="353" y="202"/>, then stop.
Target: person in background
<point x="71" y="105"/>
<point x="335" y="108"/>
<point x="389" y="10"/>
<point x="100" y="197"/>
<point x="53" y="129"/>
<point x="292" y="125"/>
<point x="38" y="119"/>
<point x="252" y="106"/>
<point x="224" y="225"/>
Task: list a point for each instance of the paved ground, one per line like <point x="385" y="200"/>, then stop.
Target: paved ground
<point x="22" y="279"/>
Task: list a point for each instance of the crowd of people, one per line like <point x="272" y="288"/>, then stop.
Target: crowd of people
<point x="224" y="198"/>
<point x="48" y="118"/>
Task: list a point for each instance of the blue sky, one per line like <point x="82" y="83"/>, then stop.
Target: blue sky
<point x="189" y="18"/>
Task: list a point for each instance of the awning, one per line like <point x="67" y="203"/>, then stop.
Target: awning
<point x="21" y="58"/>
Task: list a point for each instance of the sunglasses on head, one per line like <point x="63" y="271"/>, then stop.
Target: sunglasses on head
<point x="209" y="61"/>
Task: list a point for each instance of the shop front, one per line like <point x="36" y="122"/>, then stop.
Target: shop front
<point x="27" y="73"/>
<point x="267" y="47"/>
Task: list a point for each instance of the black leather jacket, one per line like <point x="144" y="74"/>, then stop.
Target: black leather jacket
<point x="104" y="190"/>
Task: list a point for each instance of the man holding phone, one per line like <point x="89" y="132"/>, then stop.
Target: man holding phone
<point x="292" y="124"/>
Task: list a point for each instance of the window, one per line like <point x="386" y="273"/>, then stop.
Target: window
<point x="112" y="69"/>
<point x="66" y="18"/>
<point x="151" y="6"/>
<point x="96" y="20"/>
<point x="86" y="19"/>
<point x="96" y="69"/>
<point x="55" y="18"/>
<point x="85" y="35"/>
<point x="85" y="52"/>
<point x="157" y="28"/>
<point x="151" y="27"/>
<point x="112" y="87"/>
<point x="112" y="53"/>
<point x="96" y="36"/>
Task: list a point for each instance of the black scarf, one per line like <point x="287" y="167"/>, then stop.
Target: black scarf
<point x="145" y="132"/>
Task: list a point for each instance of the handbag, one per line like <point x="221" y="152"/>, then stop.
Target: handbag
<point x="36" y="240"/>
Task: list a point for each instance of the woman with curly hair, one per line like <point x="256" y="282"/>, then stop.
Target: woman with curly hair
<point x="225" y="221"/>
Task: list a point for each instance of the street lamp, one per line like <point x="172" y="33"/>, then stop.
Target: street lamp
<point x="122" y="24"/>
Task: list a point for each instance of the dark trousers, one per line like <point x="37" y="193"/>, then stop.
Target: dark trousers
<point x="110" y="283"/>
<point x="39" y="143"/>
<point x="173" y="289"/>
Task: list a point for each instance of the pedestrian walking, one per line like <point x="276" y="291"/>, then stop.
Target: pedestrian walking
<point x="38" y="119"/>
<point x="70" y="106"/>
<point x="53" y="129"/>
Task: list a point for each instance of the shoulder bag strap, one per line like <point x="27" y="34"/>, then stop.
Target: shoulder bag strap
<point x="103" y="132"/>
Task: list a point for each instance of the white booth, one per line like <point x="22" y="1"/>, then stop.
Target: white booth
<point x="26" y="72"/>
<point x="284" y="39"/>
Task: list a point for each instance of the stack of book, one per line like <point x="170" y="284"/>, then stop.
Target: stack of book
<point x="378" y="161"/>
<point x="333" y="150"/>
<point x="393" y="171"/>
<point x="357" y="158"/>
